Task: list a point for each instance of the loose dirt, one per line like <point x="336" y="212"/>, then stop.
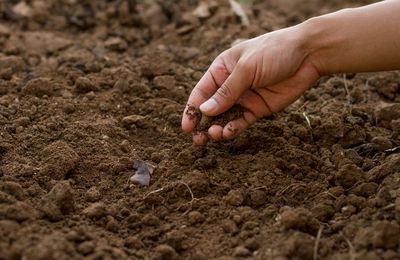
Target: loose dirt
<point x="88" y="87"/>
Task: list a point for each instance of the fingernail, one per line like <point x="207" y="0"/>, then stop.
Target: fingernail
<point x="208" y="106"/>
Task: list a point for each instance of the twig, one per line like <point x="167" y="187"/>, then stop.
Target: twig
<point x="153" y="192"/>
<point x="174" y="184"/>
<point x="346" y="87"/>
<point x="390" y="206"/>
<point x="315" y="256"/>
<point x="290" y="186"/>
<point x="191" y="201"/>
<point x="238" y="10"/>
<point x="309" y="125"/>
<point x="351" y="248"/>
<point x="302" y="106"/>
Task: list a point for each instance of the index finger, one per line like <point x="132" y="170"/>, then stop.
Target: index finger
<point x="204" y="89"/>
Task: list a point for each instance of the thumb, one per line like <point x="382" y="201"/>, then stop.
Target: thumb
<point x="229" y="92"/>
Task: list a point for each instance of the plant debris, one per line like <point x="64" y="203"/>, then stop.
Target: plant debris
<point x="143" y="172"/>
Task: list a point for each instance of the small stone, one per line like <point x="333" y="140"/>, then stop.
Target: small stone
<point x="252" y="244"/>
<point x="250" y="225"/>
<point x="86" y="247"/>
<point x="228" y="226"/>
<point x="95" y="210"/>
<point x="133" y="243"/>
<point x="234" y="197"/>
<point x="177" y="239"/>
<point x="93" y="194"/>
<point x="165" y="252"/>
<point x="91" y="95"/>
<point x="241" y="251"/>
<point x="202" y="11"/>
<point x="137" y="120"/>
<point x="116" y="44"/>
<point x="122" y="84"/>
<point x="112" y="225"/>
<point x="348" y="210"/>
<point x="150" y="220"/>
<point x="237" y="219"/>
<point x="195" y="217"/>
<point x="69" y="108"/>
<point x="125" y="146"/>
<point x="257" y="198"/>
<point x="382" y="143"/>
<point x="84" y="85"/>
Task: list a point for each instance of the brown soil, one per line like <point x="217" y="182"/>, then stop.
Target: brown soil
<point x="87" y="87"/>
<point x="233" y="113"/>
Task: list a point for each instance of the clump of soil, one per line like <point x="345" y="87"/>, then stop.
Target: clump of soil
<point x="233" y="113"/>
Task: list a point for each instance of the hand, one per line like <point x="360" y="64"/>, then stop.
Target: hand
<point x="263" y="75"/>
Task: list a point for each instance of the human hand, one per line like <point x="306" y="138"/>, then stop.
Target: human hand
<point x="263" y="75"/>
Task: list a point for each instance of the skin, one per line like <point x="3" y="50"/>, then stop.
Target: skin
<point x="266" y="74"/>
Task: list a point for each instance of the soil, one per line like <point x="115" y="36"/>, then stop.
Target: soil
<point x="88" y="87"/>
<point x="205" y="122"/>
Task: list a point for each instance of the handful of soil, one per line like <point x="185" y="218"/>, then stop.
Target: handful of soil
<point x="206" y="121"/>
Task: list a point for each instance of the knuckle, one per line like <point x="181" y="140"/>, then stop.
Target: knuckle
<point x="225" y="92"/>
<point x="244" y="65"/>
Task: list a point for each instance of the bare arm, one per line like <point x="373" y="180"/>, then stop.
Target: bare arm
<point x="266" y="74"/>
<point x="356" y="40"/>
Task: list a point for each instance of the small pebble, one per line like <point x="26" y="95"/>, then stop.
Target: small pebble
<point x="151" y="220"/>
<point x="112" y="225"/>
<point x="163" y="252"/>
<point x="86" y="247"/>
<point x="133" y="242"/>
<point x="95" y="210"/>
<point x="241" y="251"/>
<point x="124" y="145"/>
<point x="234" y="197"/>
<point x="229" y="226"/>
<point x="195" y="217"/>
<point x="93" y="194"/>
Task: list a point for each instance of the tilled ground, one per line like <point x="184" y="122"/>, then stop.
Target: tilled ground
<point x="87" y="87"/>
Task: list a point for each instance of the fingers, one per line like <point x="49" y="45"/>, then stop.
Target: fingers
<point x="200" y="138"/>
<point x="229" y="92"/>
<point x="204" y="89"/>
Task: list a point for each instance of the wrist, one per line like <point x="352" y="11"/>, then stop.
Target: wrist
<point x="321" y="42"/>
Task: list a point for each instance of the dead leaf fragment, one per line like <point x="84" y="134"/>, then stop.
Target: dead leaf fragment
<point x="239" y="11"/>
<point x="143" y="172"/>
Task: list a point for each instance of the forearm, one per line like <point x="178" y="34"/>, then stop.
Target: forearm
<point x="355" y="40"/>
